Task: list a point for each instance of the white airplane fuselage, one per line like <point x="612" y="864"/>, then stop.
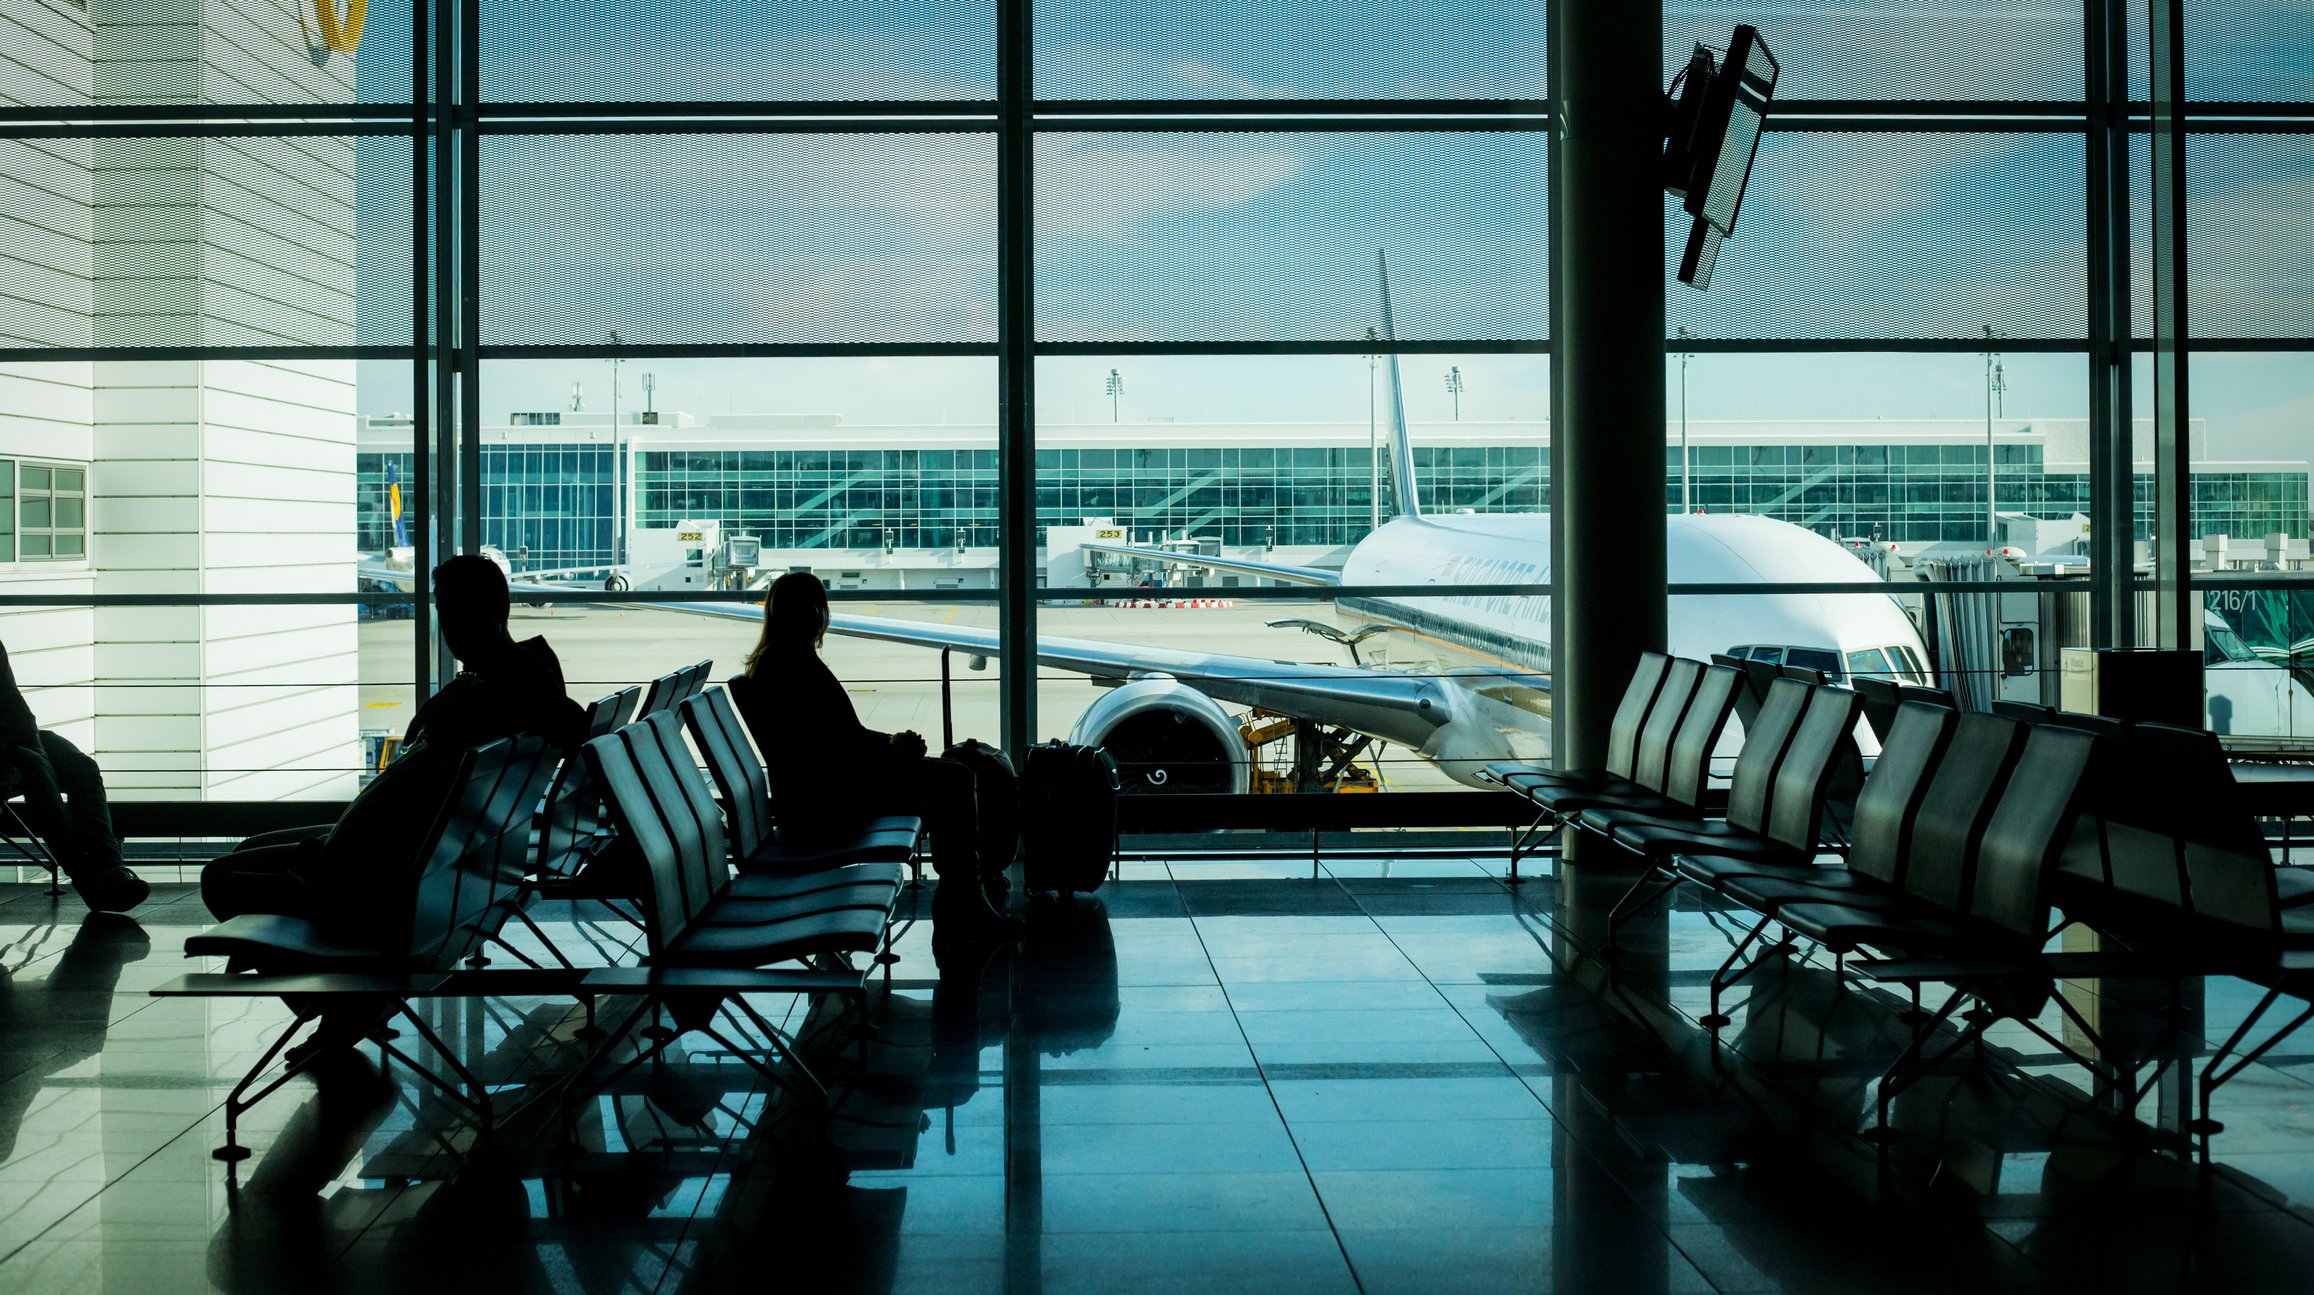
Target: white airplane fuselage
<point x="1497" y="647"/>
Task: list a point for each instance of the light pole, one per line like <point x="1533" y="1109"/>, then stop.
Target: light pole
<point x="618" y="462"/>
<point x="1116" y="389"/>
<point x="1686" y="462"/>
<point x="1373" y="432"/>
<point x="1994" y="384"/>
<point x="1454" y="388"/>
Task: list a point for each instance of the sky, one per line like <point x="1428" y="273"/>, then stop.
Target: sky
<point x="890" y="238"/>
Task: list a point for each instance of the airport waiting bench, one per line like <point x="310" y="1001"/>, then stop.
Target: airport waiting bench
<point x="2178" y="879"/>
<point x="713" y="937"/>
<point x="1659" y="747"/>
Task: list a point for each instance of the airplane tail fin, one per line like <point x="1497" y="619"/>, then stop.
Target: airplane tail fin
<point x="394" y="506"/>
<point x="1402" y="485"/>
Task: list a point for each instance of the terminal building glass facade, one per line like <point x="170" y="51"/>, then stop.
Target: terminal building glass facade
<point x="550" y="502"/>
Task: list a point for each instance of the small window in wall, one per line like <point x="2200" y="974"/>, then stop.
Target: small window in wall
<point x="7" y="510"/>
<point x="51" y="512"/>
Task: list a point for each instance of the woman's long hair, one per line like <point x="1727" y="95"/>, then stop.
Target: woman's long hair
<point x="795" y="613"/>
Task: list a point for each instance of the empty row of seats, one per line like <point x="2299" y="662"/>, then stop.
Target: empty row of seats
<point x="1972" y="833"/>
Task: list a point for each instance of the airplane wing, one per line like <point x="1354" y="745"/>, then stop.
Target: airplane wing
<point x="1404" y="708"/>
<point x="1280" y="571"/>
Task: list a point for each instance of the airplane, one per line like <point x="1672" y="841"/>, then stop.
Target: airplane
<point x="1484" y="694"/>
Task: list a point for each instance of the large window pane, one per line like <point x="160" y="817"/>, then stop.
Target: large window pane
<point x="541" y="51"/>
<point x="1900" y="235"/>
<point x="1957" y="49"/>
<point x="709" y="239"/>
<point x="1247" y="49"/>
<point x="1165" y="236"/>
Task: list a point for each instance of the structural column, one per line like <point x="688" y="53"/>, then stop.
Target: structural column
<point x="2177" y="610"/>
<point x="1607" y="407"/>
<point x="1016" y="377"/>
<point x="2112" y="514"/>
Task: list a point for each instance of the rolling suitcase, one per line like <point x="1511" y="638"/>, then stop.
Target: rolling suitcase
<point x="1068" y="813"/>
<point x="996" y="791"/>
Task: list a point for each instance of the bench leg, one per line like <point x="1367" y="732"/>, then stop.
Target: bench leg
<point x="473" y="1096"/>
<point x="2219" y="1070"/>
<point x="1908" y="1067"/>
<point x="1532" y="838"/>
<point x="1634" y="902"/>
<point x="1721" y="981"/>
<point x="242" y="1099"/>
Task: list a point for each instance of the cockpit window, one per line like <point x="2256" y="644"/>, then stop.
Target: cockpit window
<point x="2220" y="644"/>
<point x="1870" y="662"/>
<point x="1815" y="659"/>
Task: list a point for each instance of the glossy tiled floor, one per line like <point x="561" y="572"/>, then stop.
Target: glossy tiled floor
<point x="1220" y="1077"/>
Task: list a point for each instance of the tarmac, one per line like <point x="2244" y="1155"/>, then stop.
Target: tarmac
<point x="895" y="686"/>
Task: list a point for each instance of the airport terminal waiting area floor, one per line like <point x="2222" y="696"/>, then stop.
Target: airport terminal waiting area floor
<point x="1217" y="1076"/>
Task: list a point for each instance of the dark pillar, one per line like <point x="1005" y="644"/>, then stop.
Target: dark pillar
<point x="1016" y="379"/>
<point x="2112" y="512"/>
<point x="2177" y="610"/>
<point x="1607" y="408"/>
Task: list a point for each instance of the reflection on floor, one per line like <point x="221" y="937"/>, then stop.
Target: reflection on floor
<point x="1217" y="1077"/>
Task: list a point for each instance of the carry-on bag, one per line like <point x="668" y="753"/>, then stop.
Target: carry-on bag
<point x="1068" y="817"/>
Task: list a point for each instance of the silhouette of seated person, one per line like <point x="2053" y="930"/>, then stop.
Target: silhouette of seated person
<point x="358" y="869"/>
<point x="830" y="773"/>
<point x="64" y="801"/>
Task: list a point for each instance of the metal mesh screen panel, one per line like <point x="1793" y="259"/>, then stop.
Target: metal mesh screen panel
<point x="1272" y="237"/>
<point x="2254" y="50"/>
<point x="1904" y="236"/>
<point x="185" y="241"/>
<point x="1958" y="49"/>
<point x="683" y="50"/>
<point x="1289" y="49"/>
<point x="705" y="239"/>
<point x="2249" y="213"/>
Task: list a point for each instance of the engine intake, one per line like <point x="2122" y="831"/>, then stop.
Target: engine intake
<point x="1167" y="739"/>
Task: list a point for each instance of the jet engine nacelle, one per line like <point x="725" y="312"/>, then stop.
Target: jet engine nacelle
<point x="1167" y="738"/>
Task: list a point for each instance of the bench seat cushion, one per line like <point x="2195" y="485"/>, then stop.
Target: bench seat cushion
<point x="730" y="910"/>
<point x="850" y="930"/>
<point x="272" y="940"/>
<point x="1841" y="927"/>
<point x="774" y="885"/>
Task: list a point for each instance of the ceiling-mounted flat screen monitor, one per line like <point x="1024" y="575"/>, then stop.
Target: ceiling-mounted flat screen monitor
<point x="1712" y="131"/>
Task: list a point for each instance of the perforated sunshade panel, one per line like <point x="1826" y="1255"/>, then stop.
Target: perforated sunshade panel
<point x="705" y="239"/>
<point x="1898" y="235"/>
<point x="706" y="50"/>
<point x="1163" y="236"/>
<point x="2259" y="50"/>
<point x="1958" y="49"/>
<point x="1289" y="49"/>
<point x="2250" y="236"/>
<point x="184" y="241"/>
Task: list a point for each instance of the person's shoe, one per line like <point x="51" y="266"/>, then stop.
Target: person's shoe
<point x="112" y="890"/>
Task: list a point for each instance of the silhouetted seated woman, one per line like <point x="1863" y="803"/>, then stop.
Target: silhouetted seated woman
<point x="829" y="772"/>
<point x="360" y="866"/>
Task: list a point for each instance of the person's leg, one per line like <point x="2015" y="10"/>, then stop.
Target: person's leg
<point x="95" y="847"/>
<point x="270" y="879"/>
<point x="282" y="836"/>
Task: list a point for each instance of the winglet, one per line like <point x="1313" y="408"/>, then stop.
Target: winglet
<point x="1402" y="485"/>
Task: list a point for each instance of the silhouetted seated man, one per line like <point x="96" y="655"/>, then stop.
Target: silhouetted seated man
<point x="828" y="771"/>
<point x="359" y="867"/>
<point x="64" y="802"/>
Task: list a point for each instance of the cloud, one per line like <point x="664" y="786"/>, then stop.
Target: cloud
<point x="1108" y="186"/>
